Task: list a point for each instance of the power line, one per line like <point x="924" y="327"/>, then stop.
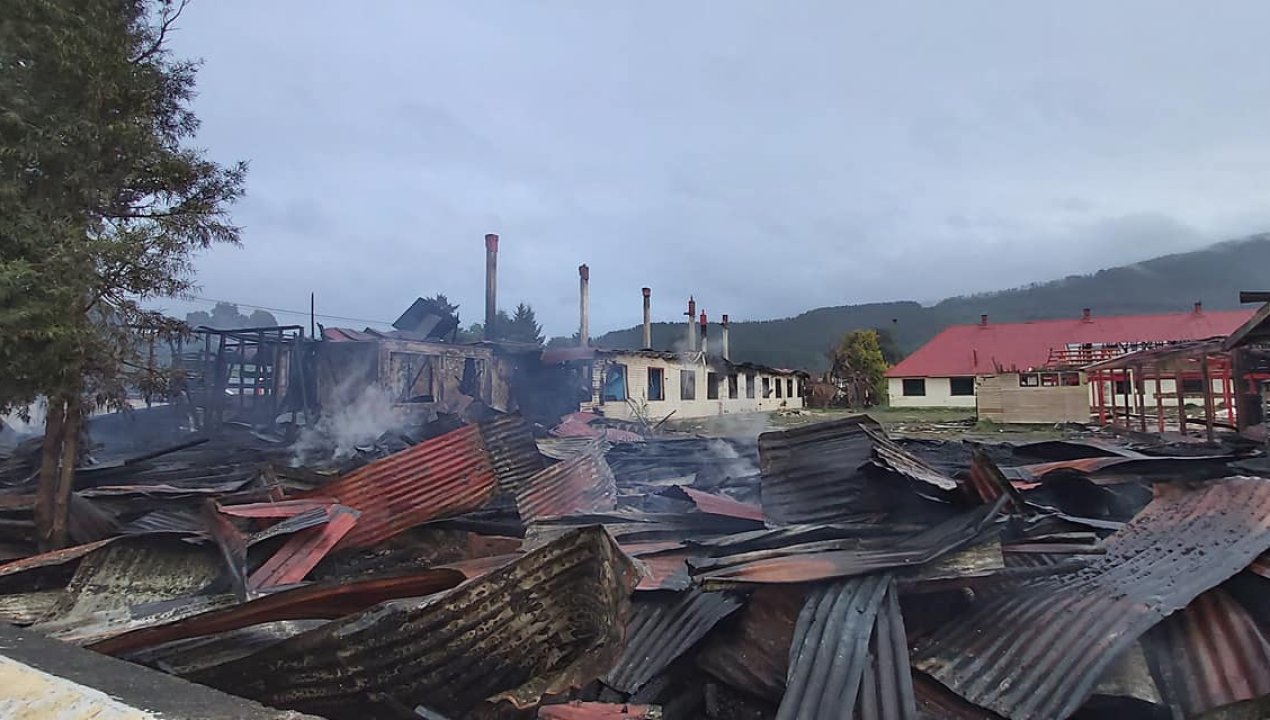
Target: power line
<point x="302" y="313"/>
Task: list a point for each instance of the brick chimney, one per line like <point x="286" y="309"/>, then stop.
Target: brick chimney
<point x="491" y="284"/>
<point x="703" y="331"/>
<point x="692" y="318"/>
<point x="584" y="305"/>
<point x="1199" y="308"/>
<point x="1086" y="315"/>
<point x="726" y="350"/>
<point x="983" y="320"/>
<point x="648" y="319"/>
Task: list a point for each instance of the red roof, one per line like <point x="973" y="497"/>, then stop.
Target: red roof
<point x="981" y="349"/>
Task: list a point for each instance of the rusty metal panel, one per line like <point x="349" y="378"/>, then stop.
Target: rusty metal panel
<point x="577" y="710"/>
<point x="663" y="565"/>
<point x="303" y="550"/>
<point x="583" y="483"/>
<point x="548" y="621"/>
<point x="722" y="505"/>
<point x="275" y="510"/>
<point x="754" y="655"/>
<point x="813" y="562"/>
<point x="1209" y="655"/>
<point x="831" y="666"/>
<point x="54" y="557"/>
<point x="662" y="627"/>
<point x="889" y="456"/>
<point x="446" y="475"/>
<point x="809" y="473"/>
<point x="324" y="601"/>
<point x="1037" y="651"/>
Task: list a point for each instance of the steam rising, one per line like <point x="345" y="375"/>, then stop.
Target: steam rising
<point x="341" y="430"/>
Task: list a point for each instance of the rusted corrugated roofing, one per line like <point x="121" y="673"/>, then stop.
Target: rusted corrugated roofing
<point x="832" y="672"/>
<point x="809" y="563"/>
<point x="324" y="601"/>
<point x="662" y="627"/>
<point x="663" y="565"/>
<point x="446" y="475"/>
<point x="548" y="621"/>
<point x="809" y="472"/>
<point x="1212" y="654"/>
<point x="54" y="557"/>
<point x="1038" y="651"/>
<point x="889" y="456"/>
<point x="722" y="505"/>
<point x="754" y="654"/>
<point x="304" y="550"/>
<point x="577" y="710"/>
<point x="582" y="483"/>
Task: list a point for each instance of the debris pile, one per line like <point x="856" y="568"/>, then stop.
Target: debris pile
<point x="823" y="571"/>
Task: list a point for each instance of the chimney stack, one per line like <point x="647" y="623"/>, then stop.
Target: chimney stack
<point x="726" y="350"/>
<point x="692" y="317"/>
<point x="703" y="331"/>
<point x="648" y="319"/>
<point x="1199" y="307"/>
<point x="584" y="305"/>
<point x="1086" y="315"/>
<point x="983" y="320"/>
<point x="491" y="284"/>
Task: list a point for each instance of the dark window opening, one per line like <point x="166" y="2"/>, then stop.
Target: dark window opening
<point x="614" y="384"/>
<point x="749" y="386"/>
<point x="767" y="388"/>
<point x="914" y="387"/>
<point x="712" y="386"/>
<point x="732" y="387"/>
<point x="1193" y="386"/>
<point x="789" y="387"/>
<point x="1122" y="387"/>
<point x="656" y="384"/>
<point x="1049" y="380"/>
<point x="961" y="386"/>
<point x="413" y="377"/>
<point x="1071" y="379"/>
<point x="687" y="385"/>
<point x="1029" y="381"/>
<point x="778" y="387"/>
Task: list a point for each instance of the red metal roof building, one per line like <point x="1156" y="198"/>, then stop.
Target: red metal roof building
<point x="941" y="372"/>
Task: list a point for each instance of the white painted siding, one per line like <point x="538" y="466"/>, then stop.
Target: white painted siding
<point x="938" y="394"/>
<point x="637" y="367"/>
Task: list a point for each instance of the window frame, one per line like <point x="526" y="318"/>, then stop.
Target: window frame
<point x="734" y="389"/>
<point x="712" y="385"/>
<point x="687" y="385"/>
<point x="660" y="373"/>
<point x="751" y="386"/>
<point x="913" y="383"/>
<point x="955" y="391"/>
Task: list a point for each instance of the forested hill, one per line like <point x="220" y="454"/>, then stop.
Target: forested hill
<point x="1170" y="283"/>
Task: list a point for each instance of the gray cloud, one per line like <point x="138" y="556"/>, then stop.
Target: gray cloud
<point x="767" y="159"/>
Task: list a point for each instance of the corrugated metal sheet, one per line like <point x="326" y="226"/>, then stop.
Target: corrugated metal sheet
<point x="583" y="483"/>
<point x="666" y="458"/>
<point x="447" y="475"/>
<point x="577" y="710"/>
<point x="1038" y="651"/>
<point x="889" y="456"/>
<point x="722" y="505"/>
<point x="325" y="601"/>
<point x="832" y="670"/>
<point x="546" y="622"/>
<point x="987" y="483"/>
<point x="176" y="520"/>
<point x="662" y="627"/>
<point x="754" y="654"/>
<point x="936" y="702"/>
<point x="27" y="608"/>
<point x="303" y="550"/>
<point x="1211" y="654"/>
<point x="663" y="565"/>
<point x="810" y="472"/>
<point x="134" y="583"/>
<point x="49" y="559"/>
<point x="804" y="564"/>
<point x="565" y="448"/>
<point x="275" y="510"/>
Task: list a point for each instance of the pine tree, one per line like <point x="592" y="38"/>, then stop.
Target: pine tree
<point x="102" y="205"/>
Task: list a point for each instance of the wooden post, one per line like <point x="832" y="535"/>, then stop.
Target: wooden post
<point x="1181" y="402"/>
<point x="46" y="498"/>
<point x="1228" y="390"/>
<point x="1111" y="380"/>
<point x="1209" y="410"/>
<point x="1100" y="394"/>
<point x="1140" y="386"/>
<point x="1159" y="402"/>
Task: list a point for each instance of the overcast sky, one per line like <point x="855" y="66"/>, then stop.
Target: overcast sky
<point x="767" y="157"/>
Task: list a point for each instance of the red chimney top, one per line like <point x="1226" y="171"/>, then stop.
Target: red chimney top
<point x="725" y="320"/>
<point x="983" y="320"/>
<point x="1086" y="315"/>
<point x="646" y="291"/>
<point x="491" y="242"/>
<point x="584" y="272"/>
<point x="703" y="319"/>
<point x="1199" y="307"/>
